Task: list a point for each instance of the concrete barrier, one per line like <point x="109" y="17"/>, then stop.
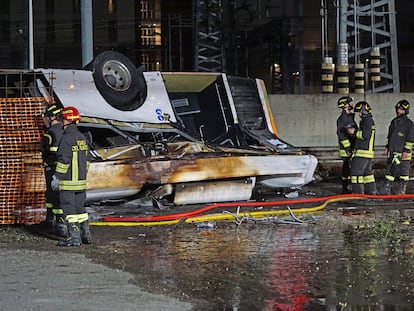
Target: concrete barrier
<point x="310" y="120"/>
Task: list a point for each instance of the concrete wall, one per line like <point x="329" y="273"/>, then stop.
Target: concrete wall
<point x="310" y="120"/>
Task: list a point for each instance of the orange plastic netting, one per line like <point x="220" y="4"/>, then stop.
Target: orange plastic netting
<point x="22" y="183"/>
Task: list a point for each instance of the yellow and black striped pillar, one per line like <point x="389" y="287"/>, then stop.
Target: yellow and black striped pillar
<point x="359" y="76"/>
<point x="342" y="79"/>
<point x="327" y="77"/>
<point x="375" y="64"/>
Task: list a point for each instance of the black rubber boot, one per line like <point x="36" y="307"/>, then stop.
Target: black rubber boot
<point x="358" y="188"/>
<point x="387" y="187"/>
<point x="370" y="188"/>
<point x="61" y="228"/>
<point x="402" y="187"/>
<point x="85" y="233"/>
<point x="345" y="189"/>
<point x="48" y="223"/>
<point x="74" y="238"/>
<point x="49" y="215"/>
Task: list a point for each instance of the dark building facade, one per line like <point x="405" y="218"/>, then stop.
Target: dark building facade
<point x="276" y="40"/>
<point x="57" y="31"/>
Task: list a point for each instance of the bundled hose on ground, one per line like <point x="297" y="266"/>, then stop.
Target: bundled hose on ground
<point x="200" y="215"/>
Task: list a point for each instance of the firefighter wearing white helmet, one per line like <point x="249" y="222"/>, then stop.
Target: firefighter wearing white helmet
<point x="398" y="149"/>
<point x="362" y="177"/>
<point x="70" y="179"/>
<point x="346" y="142"/>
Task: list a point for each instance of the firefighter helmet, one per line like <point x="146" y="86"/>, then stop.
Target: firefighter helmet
<point x="404" y="105"/>
<point x="52" y="111"/>
<point x="344" y="100"/>
<point x="363" y="107"/>
<point x="71" y="114"/>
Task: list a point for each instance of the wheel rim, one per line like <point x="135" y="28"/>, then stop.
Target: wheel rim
<point x="116" y="75"/>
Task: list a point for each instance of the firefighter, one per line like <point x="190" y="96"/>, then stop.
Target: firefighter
<point x="48" y="147"/>
<point x="362" y="177"/>
<point x="398" y="149"/>
<point x="345" y="140"/>
<point x="70" y="179"/>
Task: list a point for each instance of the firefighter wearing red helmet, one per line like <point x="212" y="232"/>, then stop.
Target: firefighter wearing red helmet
<point x="70" y="179"/>
<point x="362" y="177"/>
<point x="398" y="149"/>
<point x="346" y="142"/>
<point x="52" y="117"/>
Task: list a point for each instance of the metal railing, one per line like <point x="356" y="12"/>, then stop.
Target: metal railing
<point x="24" y="84"/>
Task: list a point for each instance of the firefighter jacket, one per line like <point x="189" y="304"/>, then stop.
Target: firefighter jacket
<point x="72" y="160"/>
<point x="400" y="137"/>
<point x="365" y="138"/>
<point x="49" y="144"/>
<point x="346" y="142"/>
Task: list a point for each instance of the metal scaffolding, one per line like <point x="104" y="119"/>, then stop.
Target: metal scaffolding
<point x="369" y="26"/>
<point x="209" y="44"/>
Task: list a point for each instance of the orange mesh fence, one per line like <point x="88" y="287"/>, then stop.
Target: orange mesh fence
<point x="22" y="183"/>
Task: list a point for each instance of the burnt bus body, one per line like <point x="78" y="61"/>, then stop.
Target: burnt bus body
<point x="183" y="138"/>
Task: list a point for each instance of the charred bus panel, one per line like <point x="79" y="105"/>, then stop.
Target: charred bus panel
<point x="179" y="137"/>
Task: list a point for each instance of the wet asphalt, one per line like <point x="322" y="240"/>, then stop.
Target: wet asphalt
<point x="353" y="254"/>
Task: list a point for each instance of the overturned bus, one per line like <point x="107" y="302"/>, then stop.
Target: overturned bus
<point x="180" y="138"/>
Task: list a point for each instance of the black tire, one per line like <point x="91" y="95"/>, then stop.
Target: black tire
<point x="118" y="81"/>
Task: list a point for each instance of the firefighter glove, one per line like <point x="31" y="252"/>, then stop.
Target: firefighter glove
<point x="55" y="183"/>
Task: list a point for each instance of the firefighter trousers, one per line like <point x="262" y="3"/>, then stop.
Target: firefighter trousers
<point x="395" y="172"/>
<point x="362" y="177"/>
<point x="346" y="168"/>
<point x="52" y="197"/>
<point x="72" y="202"/>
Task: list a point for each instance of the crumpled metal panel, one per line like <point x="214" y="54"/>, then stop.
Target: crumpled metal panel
<point x="191" y="169"/>
<point x="77" y="88"/>
<point x="185" y="168"/>
<point x="214" y="191"/>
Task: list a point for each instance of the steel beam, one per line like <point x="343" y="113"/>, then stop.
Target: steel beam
<point x="209" y="54"/>
<point x="367" y="24"/>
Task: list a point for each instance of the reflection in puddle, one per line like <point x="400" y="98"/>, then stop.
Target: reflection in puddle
<point x="275" y="267"/>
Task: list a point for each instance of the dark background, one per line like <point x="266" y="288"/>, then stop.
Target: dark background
<point x="256" y="35"/>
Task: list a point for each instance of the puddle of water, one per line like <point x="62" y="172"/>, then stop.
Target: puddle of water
<point x="277" y="267"/>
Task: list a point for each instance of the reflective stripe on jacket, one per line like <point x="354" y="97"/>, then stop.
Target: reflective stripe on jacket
<point x="49" y="144"/>
<point x="72" y="160"/>
<point x="400" y="138"/>
<point x="345" y="141"/>
<point x="365" y="138"/>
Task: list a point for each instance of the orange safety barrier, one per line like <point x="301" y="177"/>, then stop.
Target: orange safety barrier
<point x="22" y="183"/>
